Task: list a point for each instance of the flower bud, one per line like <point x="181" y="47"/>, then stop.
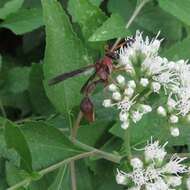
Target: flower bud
<point x="161" y="111"/>
<point x="136" y="116"/>
<point x="129" y="92"/>
<point x="144" y="82"/>
<point x="121" y="80"/>
<point x="174" y="119"/>
<point x="136" y="163"/>
<point x="156" y="87"/>
<point x="125" y="125"/>
<point x="113" y="87"/>
<point x="121" y="178"/>
<point x="181" y="61"/>
<point x="158" y="184"/>
<point x="131" y="84"/>
<point x="123" y="116"/>
<point x="188" y="117"/>
<point x="188" y="183"/>
<point x="174" y="181"/>
<point x="154" y="151"/>
<point x="134" y="188"/>
<point x="116" y="96"/>
<point x="171" y="104"/>
<point x="130" y="69"/>
<point x="107" y="103"/>
<point x="174" y="131"/>
<point x="146" y="108"/>
<point x="172" y="64"/>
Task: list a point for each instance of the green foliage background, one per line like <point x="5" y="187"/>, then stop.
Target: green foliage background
<point x="41" y="39"/>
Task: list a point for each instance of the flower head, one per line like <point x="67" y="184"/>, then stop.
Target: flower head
<point x="153" y="151"/>
<point x="174" y="166"/>
<point x="139" y="46"/>
<point x="121" y="177"/>
<point x="153" y="175"/>
<point x="159" y="184"/>
<point x="146" y="74"/>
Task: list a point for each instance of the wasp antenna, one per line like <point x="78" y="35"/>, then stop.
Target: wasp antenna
<point x="53" y="81"/>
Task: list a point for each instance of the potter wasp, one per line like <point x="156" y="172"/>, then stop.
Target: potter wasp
<point x="102" y="69"/>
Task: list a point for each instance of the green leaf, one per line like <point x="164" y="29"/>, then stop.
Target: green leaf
<point x="3" y="182"/>
<point x="43" y="183"/>
<point x="13" y="175"/>
<point x="183" y="138"/>
<point x="19" y="101"/>
<point x="62" y="180"/>
<point x="6" y="153"/>
<point x="18" y="79"/>
<point x="113" y="27"/>
<point x="150" y="125"/>
<point x="104" y="177"/>
<point x="179" y="9"/>
<point x="151" y="18"/>
<point x="0" y="62"/>
<point x="112" y="145"/>
<point x="16" y="140"/>
<point x="179" y="50"/>
<point x="40" y="105"/>
<point x="32" y="3"/>
<point x="91" y="134"/>
<point x="96" y="2"/>
<point x="154" y="19"/>
<point x="64" y="52"/>
<point x="47" y="144"/>
<point x="83" y="176"/>
<point x="9" y="7"/>
<point x="87" y="15"/>
<point x="124" y="8"/>
<point x="25" y="20"/>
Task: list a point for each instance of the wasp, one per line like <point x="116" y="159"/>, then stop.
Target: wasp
<point x="102" y="70"/>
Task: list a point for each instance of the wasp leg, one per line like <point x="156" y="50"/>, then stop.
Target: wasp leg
<point x="83" y="89"/>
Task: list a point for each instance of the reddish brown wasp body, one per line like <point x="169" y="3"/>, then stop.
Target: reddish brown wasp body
<point x="103" y="68"/>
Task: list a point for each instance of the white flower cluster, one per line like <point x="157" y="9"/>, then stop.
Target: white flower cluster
<point x="124" y="97"/>
<point x="155" y="173"/>
<point x="188" y="183"/>
<point x="149" y="73"/>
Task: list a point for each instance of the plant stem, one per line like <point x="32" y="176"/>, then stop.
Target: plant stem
<point x="3" y="110"/>
<point x="134" y="15"/>
<point x="76" y="125"/>
<point x="66" y="161"/>
<point x="127" y="143"/>
<point x="91" y="152"/>
<point x="20" y="121"/>
<point x="72" y="164"/>
<point x="52" y="168"/>
<point x="73" y="176"/>
<point x="105" y="155"/>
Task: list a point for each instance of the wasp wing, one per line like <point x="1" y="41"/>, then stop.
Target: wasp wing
<point x="68" y="75"/>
